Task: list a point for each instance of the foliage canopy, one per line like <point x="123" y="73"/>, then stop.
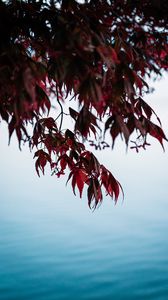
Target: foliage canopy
<point x="99" y="53"/>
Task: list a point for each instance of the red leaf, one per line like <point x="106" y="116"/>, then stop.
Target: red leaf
<point x="81" y="178"/>
<point x="74" y="182"/>
<point x="123" y="127"/>
<point x="138" y="81"/>
<point x="73" y="113"/>
<point x="42" y="159"/>
<point x="29" y="83"/>
<point x="11" y="127"/>
<point x="112" y="186"/>
<point x="157" y="132"/>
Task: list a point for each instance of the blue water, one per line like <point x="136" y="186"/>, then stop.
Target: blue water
<point x="53" y="247"/>
<point x="48" y="254"/>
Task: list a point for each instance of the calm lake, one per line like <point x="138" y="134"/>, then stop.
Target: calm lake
<point x="53" y="247"/>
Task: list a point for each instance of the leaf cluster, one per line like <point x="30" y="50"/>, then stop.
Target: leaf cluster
<point x="98" y="52"/>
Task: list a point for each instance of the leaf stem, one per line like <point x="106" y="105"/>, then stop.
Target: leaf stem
<point x="61" y="107"/>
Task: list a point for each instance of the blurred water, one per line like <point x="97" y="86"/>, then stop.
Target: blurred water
<point x="53" y="247"/>
<point x="48" y="254"/>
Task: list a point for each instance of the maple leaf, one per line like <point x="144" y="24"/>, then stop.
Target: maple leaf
<point x="79" y="178"/>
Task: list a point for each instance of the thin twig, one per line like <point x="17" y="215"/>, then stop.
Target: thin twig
<point x="62" y="112"/>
